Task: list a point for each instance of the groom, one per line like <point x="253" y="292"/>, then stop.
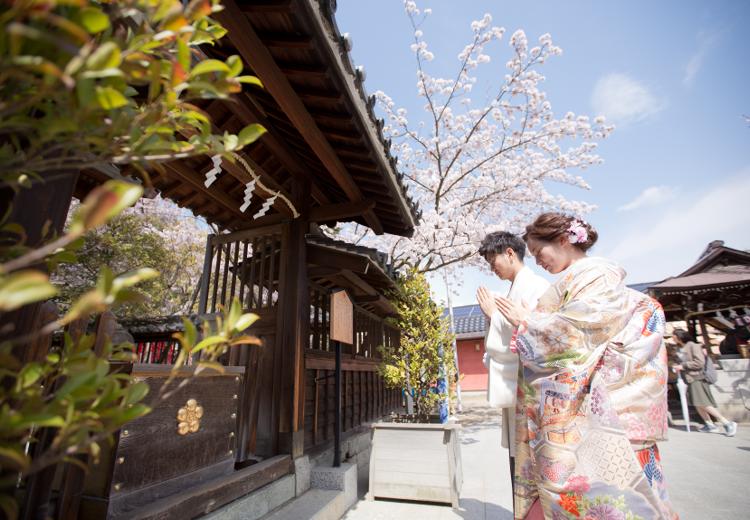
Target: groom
<point x="504" y="252"/>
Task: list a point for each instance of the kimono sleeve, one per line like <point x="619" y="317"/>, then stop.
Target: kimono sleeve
<point x="591" y="310"/>
<point x="495" y="344"/>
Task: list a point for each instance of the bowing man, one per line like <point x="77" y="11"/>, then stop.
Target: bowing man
<point x="504" y="252"/>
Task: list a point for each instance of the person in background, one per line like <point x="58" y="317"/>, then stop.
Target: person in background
<point x="504" y="253"/>
<point x="593" y="400"/>
<point x="694" y="361"/>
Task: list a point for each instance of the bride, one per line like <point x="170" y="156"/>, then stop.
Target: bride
<point x="593" y="398"/>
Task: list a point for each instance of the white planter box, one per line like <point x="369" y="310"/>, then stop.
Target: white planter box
<point x="416" y="462"/>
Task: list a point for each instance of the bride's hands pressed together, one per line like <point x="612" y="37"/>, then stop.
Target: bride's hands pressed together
<point x="513" y="312"/>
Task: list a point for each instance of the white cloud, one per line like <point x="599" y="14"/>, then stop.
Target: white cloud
<point x="695" y="62"/>
<point x="651" y="196"/>
<point x="623" y="100"/>
<point x="693" y="66"/>
<point x="667" y="241"/>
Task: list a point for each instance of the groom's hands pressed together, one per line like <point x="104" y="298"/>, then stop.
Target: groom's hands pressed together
<point x="486" y="301"/>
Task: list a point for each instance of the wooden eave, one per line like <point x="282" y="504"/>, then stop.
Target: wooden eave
<point x="332" y="263"/>
<point x="321" y="128"/>
<point x="719" y="256"/>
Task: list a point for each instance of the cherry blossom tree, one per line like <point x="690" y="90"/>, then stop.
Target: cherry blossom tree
<point x="154" y="233"/>
<point x="475" y="166"/>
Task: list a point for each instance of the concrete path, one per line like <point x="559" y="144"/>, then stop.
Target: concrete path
<point x="486" y="492"/>
<point x="708" y="475"/>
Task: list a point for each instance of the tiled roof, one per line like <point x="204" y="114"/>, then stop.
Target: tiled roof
<point x="468" y="319"/>
<point x="158" y="324"/>
<point x="641" y="287"/>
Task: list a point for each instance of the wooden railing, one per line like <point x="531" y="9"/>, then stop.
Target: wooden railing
<point x="364" y="395"/>
<point x="319" y="318"/>
<point x="243" y="265"/>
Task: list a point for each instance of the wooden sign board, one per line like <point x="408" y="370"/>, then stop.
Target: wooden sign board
<point x="342" y="317"/>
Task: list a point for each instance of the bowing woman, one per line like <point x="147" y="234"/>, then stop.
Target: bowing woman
<point x="593" y="398"/>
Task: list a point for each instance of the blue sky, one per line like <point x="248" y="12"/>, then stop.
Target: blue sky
<point x="673" y="76"/>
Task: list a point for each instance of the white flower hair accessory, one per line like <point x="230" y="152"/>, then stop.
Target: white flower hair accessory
<point x="577" y="233"/>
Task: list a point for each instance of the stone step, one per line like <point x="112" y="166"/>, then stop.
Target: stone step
<point x="315" y="504"/>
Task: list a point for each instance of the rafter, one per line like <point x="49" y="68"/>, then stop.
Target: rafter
<point x="256" y="54"/>
<point x="267" y="6"/>
<point x="340" y="211"/>
<point x="286" y="41"/>
<point x="181" y="171"/>
<point x="249" y="113"/>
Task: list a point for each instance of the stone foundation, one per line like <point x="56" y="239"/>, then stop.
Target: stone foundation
<point x="732" y="389"/>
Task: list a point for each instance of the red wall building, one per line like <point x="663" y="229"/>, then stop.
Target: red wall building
<point x="470" y="324"/>
<point x="472" y="370"/>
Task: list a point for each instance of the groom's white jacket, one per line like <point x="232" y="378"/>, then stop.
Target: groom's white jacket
<point x="501" y="362"/>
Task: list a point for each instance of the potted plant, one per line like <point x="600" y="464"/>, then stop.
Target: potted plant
<point x="414" y="456"/>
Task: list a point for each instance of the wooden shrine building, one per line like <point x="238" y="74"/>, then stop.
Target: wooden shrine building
<point x="719" y="282"/>
<point x="714" y="293"/>
<point x="325" y="155"/>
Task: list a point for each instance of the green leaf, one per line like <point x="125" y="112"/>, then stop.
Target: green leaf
<point x="132" y="278"/>
<point x="183" y="54"/>
<point x="90" y="302"/>
<point x="245" y="321"/>
<point x="24" y="287"/>
<point x="49" y="421"/>
<point x="250" y="134"/>
<point x="234" y="314"/>
<point x="198" y="9"/>
<point x="154" y="88"/>
<point x="103" y="73"/>
<point x="29" y="375"/>
<point x="110" y="98"/>
<point x="191" y="333"/>
<point x="136" y="393"/>
<point x="73" y="383"/>
<point x="206" y="66"/>
<point x="105" y="280"/>
<point x="132" y="412"/>
<point x="235" y="65"/>
<point x="231" y="142"/>
<point x="251" y="80"/>
<point x="104" y="203"/>
<point x="93" y="20"/>
<point x="106" y="56"/>
<point x="85" y="93"/>
<point x="16" y="457"/>
<point x="246" y="340"/>
<point x="209" y="342"/>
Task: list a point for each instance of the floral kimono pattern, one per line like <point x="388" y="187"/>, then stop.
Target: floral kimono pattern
<point x="592" y="401"/>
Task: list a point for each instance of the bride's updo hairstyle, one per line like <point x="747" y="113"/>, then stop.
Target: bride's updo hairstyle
<point x="549" y="226"/>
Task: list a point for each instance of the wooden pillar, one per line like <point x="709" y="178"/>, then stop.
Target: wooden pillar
<point x="293" y="325"/>
<point x="44" y="205"/>
<point x="206" y="275"/>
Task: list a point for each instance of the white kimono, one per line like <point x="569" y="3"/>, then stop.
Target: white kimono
<point x="501" y="362"/>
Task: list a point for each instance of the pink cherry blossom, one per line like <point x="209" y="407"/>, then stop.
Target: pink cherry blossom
<point x="476" y="165"/>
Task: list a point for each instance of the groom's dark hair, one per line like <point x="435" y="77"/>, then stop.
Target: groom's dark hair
<point x="498" y="242"/>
